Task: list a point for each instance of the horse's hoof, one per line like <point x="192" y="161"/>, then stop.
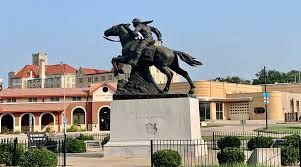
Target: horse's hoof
<point x="191" y="91"/>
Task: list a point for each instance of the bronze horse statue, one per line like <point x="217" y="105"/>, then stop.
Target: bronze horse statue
<point x="164" y="59"/>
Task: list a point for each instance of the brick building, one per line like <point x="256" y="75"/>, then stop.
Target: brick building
<point x="88" y="108"/>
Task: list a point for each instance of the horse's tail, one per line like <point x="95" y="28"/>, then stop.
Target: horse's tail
<point x="187" y="58"/>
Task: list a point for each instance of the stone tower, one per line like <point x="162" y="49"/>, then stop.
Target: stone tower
<point x="37" y="57"/>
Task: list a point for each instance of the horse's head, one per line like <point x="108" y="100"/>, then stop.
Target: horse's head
<point x="116" y="30"/>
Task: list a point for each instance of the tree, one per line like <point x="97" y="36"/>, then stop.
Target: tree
<point x="274" y="76"/>
<point x="233" y="79"/>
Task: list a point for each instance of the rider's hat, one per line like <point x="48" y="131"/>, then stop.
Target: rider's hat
<point x="136" y="20"/>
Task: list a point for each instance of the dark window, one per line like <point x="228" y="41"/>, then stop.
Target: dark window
<point x="96" y="79"/>
<point x="78" y="116"/>
<point x="32" y="100"/>
<point x="298" y="106"/>
<point x="11" y="100"/>
<point x="103" y="78"/>
<point x="54" y="99"/>
<point x="204" y="111"/>
<point x="219" y="111"/>
<point x="80" y="80"/>
<point x="259" y="110"/>
<point x="76" y="98"/>
<point x="89" y="79"/>
<point x="292" y="105"/>
<point x="105" y="89"/>
<point x="110" y="77"/>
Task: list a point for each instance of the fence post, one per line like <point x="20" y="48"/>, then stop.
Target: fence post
<point x="152" y="165"/>
<point x="15" y="152"/>
<point x="300" y="152"/>
<point x="213" y="141"/>
<point x="64" y="143"/>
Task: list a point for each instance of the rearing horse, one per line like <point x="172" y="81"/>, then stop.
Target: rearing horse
<point x="165" y="59"/>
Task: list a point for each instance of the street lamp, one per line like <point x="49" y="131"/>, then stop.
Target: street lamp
<point x="64" y="113"/>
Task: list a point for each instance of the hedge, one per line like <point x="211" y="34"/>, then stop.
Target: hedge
<point x="167" y="158"/>
<point x="260" y="142"/>
<point x="37" y="157"/>
<point x="228" y="141"/>
<point x="230" y="155"/>
<point x="75" y="146"/>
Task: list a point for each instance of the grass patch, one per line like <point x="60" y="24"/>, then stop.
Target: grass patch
<point x="280" y="129"/>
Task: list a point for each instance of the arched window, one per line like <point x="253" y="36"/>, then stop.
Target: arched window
<point x="79" y="116"/>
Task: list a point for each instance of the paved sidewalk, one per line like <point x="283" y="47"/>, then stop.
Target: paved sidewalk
<point x="108" y="162"/>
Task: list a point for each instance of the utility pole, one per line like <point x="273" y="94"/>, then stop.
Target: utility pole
<point x="266" y="98"/>
<point x="64" y="115"/>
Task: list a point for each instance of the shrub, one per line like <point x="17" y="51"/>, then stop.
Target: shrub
<point x="292" y="140"/>
<point x="17" y="132"/>
<point x="83" y="129"/>
<point x="164" y="158"/>
<point x="289" y="155"/>
<point x="75" y="146"/>
<point x="36" y="157"/>
<point x="51" y="145"/>
<point x="230" y="155"/>
<point x="228" y="141"/>
<point x="6" y="153"/>
<point x="260" y="142"/>
<point x="105" y="140"/>
<point x="85" y="137"/>
<point x="73" y="128"/>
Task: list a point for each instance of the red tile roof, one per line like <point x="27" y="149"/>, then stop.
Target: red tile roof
<point x="89" y="71"/>
<point x="59" y="69"/>
<point x="43" y="92"/>
<point x="50" y="69"/>
<point x="34" y="107"/>
<point x="95" y="86"/>
<point x="25" y="72"/>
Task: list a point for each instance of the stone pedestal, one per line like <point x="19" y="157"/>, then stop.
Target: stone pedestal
<point x="137" y="121"/>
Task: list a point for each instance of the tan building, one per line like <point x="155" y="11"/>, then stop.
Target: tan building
<point x="228" y="101"/>
<point x="42" y="75"/>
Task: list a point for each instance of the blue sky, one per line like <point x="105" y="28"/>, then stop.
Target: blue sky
<point x="231" y="37"/>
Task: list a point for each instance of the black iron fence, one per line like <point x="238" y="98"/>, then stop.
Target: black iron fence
<point x="12" y="149"/>
<point x="281" y="149"/>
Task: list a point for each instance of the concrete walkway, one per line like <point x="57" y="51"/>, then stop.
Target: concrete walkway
<point x="108" y="162"/>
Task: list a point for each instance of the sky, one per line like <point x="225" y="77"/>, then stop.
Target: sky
<point x="231" y="37"/>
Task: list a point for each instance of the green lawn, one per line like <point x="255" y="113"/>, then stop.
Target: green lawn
<point x="285" y="129"/>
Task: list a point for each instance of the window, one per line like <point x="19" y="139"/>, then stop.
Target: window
<point x="204" y="111"/>
<point x="110" y="77"/>
<point x="54" y="99"/>
<point x="96" y="79"/>
<point x="11" y="100"/>
<point x="292" y="105"/>
<point x="32" y="100"/>
<point x="259" y="110"/>
<point x="105" y="89"/>
<point x="219" y="111"/>
<point x="80" y="80"/>
<point x="76" y="98"/>
<point x="298" y="106"/>
<point x="89" y="79"/>
<point x="103" y="78"/>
